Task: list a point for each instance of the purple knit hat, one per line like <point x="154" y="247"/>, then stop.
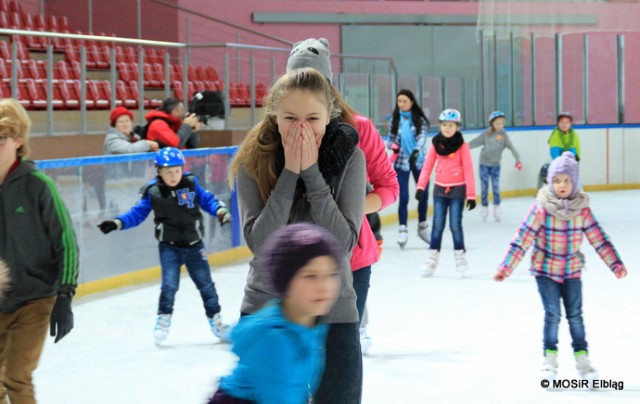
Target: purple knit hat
<point x="565" y="164"/>
<point x="291" y="247"/>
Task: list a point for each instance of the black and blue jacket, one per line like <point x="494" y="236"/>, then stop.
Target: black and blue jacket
<point x="178" y="219"/>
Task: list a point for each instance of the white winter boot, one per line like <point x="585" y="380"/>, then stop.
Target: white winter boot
<point x="549" y="369"/>
<point x="461" y="261"/>
<point x="365" y="340"/>
<point x="484" y="212"/>
<point x="423" y="232"/>
<point x="403" y="236"/>
<point x="219" y="329"/>
<point x="432" y="263"/>
<point x="497" y="214"/>
<point x="161" y="330"/>
<point x="585" y="370"/>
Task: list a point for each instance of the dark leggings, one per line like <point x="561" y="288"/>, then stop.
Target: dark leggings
<point x="342" y="379"/>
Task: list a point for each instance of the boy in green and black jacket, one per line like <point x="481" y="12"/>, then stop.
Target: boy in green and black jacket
<point x="38" y="244"/>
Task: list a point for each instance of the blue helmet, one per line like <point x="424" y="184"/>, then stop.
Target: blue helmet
<point x="450" y="115"/>
<point x="169" y="157"/>
<point x="495" y="115"/>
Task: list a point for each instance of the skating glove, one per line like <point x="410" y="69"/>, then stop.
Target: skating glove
<point x="223" y="215"/>
<point x="413" y="158"/>
<point x="108" y="226"/>
<point x="519" y="166"/>
<point x="471" y="204"/>
<point x="419" y="194"/>
<point x="61" y="317"/>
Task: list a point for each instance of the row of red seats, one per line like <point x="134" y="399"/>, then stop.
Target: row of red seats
<point x="11" y="6"/>
<point x="154" y="75"/>
<point x="17" y="20"/>
<point x="240" y="94"/>
<point x="67" y="94"/>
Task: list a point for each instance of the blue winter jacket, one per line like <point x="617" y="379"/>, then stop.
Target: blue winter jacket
<point x="280" y="362"/>
<point x="176" y="210"/>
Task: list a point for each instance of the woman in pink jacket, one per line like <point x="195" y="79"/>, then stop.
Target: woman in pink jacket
<point x="454" y="184"/>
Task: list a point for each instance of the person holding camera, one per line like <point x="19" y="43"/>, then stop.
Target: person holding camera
<point x="169" y="126"/>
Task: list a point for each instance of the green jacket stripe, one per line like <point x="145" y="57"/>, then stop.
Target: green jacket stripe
<point x="70" y="263"/>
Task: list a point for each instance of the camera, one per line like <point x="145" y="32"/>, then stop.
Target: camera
<point x="207" y="104"/>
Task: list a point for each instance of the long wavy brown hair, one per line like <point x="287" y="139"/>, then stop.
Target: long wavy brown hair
<point x="257" y="154"/>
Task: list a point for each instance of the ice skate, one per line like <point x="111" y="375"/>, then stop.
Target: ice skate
<point x="365" y="341"/>
<point x="423" y="232"/>
<point x="219" y="329"/>
<point x="432" y="263"/>
<point x="484" y="212"/>
<point x="403" y="236"/>
<point x="497" y="214"/>
<point x="161" y="330"/>
<point x="585" y="370"/>
<point x="549" y="369"/>
<point x="461" y="261"/>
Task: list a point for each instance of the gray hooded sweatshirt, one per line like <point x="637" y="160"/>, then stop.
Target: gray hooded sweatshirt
<point x="338" y="206"/>
<point x="493" y="144"/>
<point x="117" y="142"/>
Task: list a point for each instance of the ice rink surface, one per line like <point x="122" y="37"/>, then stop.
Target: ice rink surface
<point x="435" y="340"/>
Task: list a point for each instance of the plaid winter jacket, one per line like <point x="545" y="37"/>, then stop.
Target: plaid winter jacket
<point x="556" y="244"/>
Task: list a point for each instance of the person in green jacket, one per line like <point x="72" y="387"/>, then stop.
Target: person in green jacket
<point x="38" y="245"/>
<point x="564" y="138"/>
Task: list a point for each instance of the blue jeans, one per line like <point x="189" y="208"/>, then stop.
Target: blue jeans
<point x="440" y="207"/>
<point x="571" y="294"/>
<point x="361" y="279"/>
<point x="196" y="260"/>
<point x="493" y="173"/>
<point x="423" y="204"/>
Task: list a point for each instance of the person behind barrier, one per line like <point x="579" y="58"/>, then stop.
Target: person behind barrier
<point x="38" y="245"/>
<point x="169" y="126"/>
<point x="120" y="137"/>
<point x="176" y="198"/>
<point x="564" y="138"/>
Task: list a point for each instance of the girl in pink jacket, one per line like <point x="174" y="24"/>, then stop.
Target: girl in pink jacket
<point x="453" y="185"/>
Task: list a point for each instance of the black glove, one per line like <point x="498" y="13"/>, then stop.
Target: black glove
<point x="223" y="215"/>
<point x="471" y="204"/>
<point x="413" y="158"/>
<point x="419" y="194"/>
<point x="108" y="226"/>
<point x="61" y="317"/>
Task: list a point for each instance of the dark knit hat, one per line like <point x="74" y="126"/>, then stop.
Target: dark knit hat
<point x="291" y="248"/>
<point x="117" y="113"/>
<point x="311" y="52"/>
<point x="565" y="164"/>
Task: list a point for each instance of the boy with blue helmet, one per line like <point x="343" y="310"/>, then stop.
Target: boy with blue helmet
<point x="175" y="198"/>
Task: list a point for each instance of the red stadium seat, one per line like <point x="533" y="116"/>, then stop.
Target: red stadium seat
<point x="4" y="20"/>
<point x="211" y="74"/>
<point x="93" y="93"/>
<point x="5" y="50"/>
<point x="31" y="70"/>
<point x="150" y="79"/>
<point x="105" y="91"/>
<point x="125" y="96"/>
<point x="96" y="56"/>
<point x="124" y="73"/>
<point x="40" y="22"/>
<point x="28" y="90"/>
<point x="130" y="53"/>
<point x="199" y="86"/>
<point x="200" y="73"/>
<point x="191" y="73"/>
<point x="41" y="89"/>
<point x="63" y="93"/>
<point x="15" y="7"/>
<point x="158" y="71"/>
<point x="63" y="23"/>
<point x="74" y="70"/>
<point x="15" y="20"/>
<point x="261" y="93"/>
<point x="76" y="92"/>
<point x="133" y="89"/>
<point x="244" y="93"/>
<point x="60" y="71"/>
<point x="3" y="5"/>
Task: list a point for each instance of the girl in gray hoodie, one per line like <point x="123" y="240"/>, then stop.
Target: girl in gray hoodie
<point x="493" y="141"/>
<point x="299" y="164"/>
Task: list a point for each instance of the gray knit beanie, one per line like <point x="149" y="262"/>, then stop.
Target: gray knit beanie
<point x="565" y="164"/>
<point x="291" y="247"/>
<point x="311" y="53"/>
